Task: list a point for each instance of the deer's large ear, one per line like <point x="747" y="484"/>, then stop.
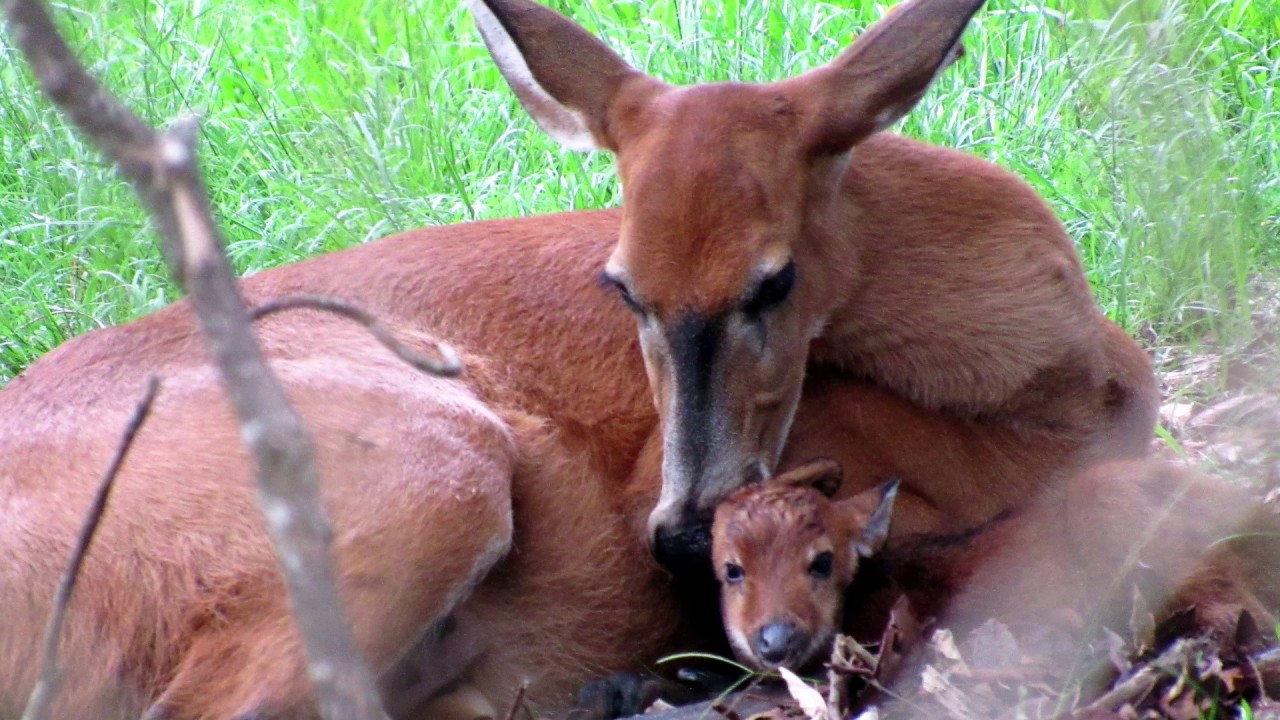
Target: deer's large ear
<point x="822" y="474"/>
<point x="564" y="76"/>
<point x="872" y="511"/>
<point x="883" y="74"/>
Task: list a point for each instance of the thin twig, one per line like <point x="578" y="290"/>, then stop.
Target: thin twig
<point x="1136" y="686"/>
<point x="518" y="702"/>
<point x="1266" y="667"/>
<point x="1267" y="661"/>
<point x="164" y="172"/>
<point x="50" y="671"/>
<point x="447" y="365"/>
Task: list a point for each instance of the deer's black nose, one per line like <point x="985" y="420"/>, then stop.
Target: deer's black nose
<point x="776" y="641"/>
<point x="683" y="550"/>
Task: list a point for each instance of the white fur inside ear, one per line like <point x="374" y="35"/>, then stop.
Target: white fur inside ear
<point x="566" y="125"/>
<point x="877" y="528"/>
<point x="892" y="114"/>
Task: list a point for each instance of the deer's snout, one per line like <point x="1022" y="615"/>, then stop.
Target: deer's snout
<point x="778" y="642"/>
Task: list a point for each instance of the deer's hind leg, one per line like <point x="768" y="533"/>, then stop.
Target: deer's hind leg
<point x="417" y="483"/>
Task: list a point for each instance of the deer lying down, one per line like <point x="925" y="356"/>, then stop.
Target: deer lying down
<point x="785" y="553"/>
<point x="773" y="247"/>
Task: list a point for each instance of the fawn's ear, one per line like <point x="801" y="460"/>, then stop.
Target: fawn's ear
<point x="822" y="474"/>
<point x="883" y="74"/>
<point x="872" y="511"/>
<point x="564" y="76"/>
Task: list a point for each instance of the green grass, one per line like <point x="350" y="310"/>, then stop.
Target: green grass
<point x="1152" y="126"/>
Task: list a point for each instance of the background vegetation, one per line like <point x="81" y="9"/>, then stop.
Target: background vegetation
<point x="1152" y="126"/>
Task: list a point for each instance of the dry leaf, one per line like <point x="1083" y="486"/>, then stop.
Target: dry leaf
<point x="943" y="642"/>
<point x="900" y="635"/>
<point x="660" y="705"/>
<point x="1142" y="622"/>
<point x="848" y="656"/>
<point x="947" y="694"/>
<point x="991" y="645"/>
<point x="848" y="659"/>
<point x="806" y="696"/>
<point x="1117" y="652"/>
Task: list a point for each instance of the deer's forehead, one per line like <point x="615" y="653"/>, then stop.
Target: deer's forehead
<point x="775" y="525"/>
<point x="710" y="203"/>
<point x="702" y="113"/>
<point x="711" y="150"/>
<point x="712" y="153"/>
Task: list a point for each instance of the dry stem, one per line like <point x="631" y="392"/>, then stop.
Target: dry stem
<point x="50" y="671"/>
<point x="164" y="172"/>
<point x="447" y="365"/>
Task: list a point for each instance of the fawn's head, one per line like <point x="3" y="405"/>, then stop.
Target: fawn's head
<point x="723" y="255"/>
<point x="784" y="553"/>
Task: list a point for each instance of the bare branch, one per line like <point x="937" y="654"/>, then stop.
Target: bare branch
<point x="1136" y="686"/>
<point x="50" y="671"/>
<point x="164" y="172"/>
<point x="447" y="365"/>
<point x="518" y="702"/>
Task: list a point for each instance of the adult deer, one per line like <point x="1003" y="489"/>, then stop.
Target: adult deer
<point x="768" y="228"/>
<point x="487" y="526"/>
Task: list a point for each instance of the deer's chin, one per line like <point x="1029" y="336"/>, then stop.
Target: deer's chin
<point x="812" y="655"/>
<point x="795" y="663"/>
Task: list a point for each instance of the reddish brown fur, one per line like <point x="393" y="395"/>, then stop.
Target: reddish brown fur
<point x="932" y="288"/>
<point x="771" y="534"/>
<point x="1069" y="561"/>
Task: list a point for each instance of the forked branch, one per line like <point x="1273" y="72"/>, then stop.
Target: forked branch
<point x="50" y="671"/>
<point x="164" y="172"/>
<point x="446" y="365"/>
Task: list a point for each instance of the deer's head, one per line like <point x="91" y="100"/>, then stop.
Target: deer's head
<point x="724" y="257"/>
<point x="784" y="553"/>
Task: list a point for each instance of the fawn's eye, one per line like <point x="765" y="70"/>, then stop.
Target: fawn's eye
<point x="624" y="292"/>
<point x="733" y="573"/>
<point x="772" y="291"/>
<point x="821" y="565"/>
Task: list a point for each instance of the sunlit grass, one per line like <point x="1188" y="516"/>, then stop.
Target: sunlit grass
<point x="1151" y="126"/>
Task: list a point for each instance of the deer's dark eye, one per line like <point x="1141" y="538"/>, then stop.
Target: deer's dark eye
<point x="821" y="566"/>
<point x="624" y="292"/>
<point x="733" y="573"/>
<point x="772" y="291"/>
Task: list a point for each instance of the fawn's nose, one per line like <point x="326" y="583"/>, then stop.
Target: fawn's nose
<point x="776" y="642"/>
